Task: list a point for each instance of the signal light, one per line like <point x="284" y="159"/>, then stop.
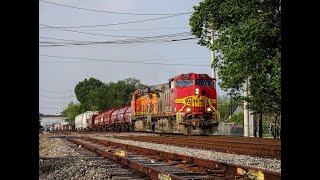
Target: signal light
<point x="209" y="109"/>
<point x="197" y="90"/>
<point x="188" y="109"/>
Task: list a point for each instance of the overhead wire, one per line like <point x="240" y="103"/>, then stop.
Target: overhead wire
<point x="50" y="102"/>
<point x="150" y="39"/>
<point x="49" y="108"/>
<point x="52" y="44"/>
<point x="148" y="29"/>
<point x="163" y="59"/>
<point x="124" y="61"/>
<point x="134" y="37"/>
<point x="121" y="23"/>
<point x="109" y="12"/>
<point x="55" y="91"/>
<point x="64" y="97"/>
<point x="180" y="34"/>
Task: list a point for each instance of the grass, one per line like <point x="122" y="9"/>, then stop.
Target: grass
<point x="267" y="135"/>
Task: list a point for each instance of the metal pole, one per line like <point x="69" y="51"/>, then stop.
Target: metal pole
<point x="212" y="58"/>
<point x="245" y="110"/>
<point x="230" y="105"/>
<point x="260" y="125"/>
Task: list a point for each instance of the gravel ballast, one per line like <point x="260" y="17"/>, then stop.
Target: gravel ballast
<point x="245" y="160"/>
<point x="59" y="161"/>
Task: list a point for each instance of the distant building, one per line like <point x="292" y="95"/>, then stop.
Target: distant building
<point x="238" y="109"/>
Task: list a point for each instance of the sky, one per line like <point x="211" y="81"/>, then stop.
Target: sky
<point x="70" y="48"/>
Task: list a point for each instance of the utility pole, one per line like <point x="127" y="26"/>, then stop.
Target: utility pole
<point x="71" y="91"/>
<point x="212" y="59"/>
<point x="260" y="125"/>
<point x="245" y="110"/>
<point x="68" y="97"/>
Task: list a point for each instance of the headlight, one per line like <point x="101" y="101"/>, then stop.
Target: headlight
<point x="188" y="109"/>
<point x="197" y="90"/>
<point x="208" y="109"/>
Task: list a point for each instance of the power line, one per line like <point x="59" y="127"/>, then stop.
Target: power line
<point x="57" y="39"/>
<point x="79" y="43"/>
<point x="50" y="102"/>
<point x="186" y="58"/>
<point x="110" y="12"/>
<point x="135" y="37"/>
<point x="126" y="44"/>
<point x="124" y="41"/>
<point x="48" y="108"/>
<point x="57" y="44"/>
<point x="151" y="29"/>
<point x="129" y="22"/>
<point x="52" y="106"/>
<point x="54" y="97"/>
<point x="123" y="61"/>
<point x="163" y="59"/>
<point x="55" y="91"/>
<point x="81" y="32"/>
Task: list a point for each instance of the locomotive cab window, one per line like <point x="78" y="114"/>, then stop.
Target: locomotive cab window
<point x="202" y="82"/>
<point x="187" y="82"/>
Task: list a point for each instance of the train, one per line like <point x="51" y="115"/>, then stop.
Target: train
<point x="187" y="104"/>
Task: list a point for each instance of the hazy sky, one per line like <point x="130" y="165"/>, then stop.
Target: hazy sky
<point x="58" y="76"/>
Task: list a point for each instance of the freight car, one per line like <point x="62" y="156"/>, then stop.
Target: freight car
<point x="116" y="119"/>
<point x="81" y="120"/>
<point x="187" y="104"/>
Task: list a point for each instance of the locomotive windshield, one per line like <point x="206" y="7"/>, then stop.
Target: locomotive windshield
<point x="186" y="82"/>
<point x="201" y="82"/>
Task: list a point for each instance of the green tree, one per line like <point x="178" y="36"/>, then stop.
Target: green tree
<point x="224" y="107"/>
<point x="136" y="83"/>
<point x="248" y="44"/>
<point x="72" y="111"/>
<point x="84" y="88"/>
<point x="111" y="95"/>
<point x="64" y="112"/>
<point x="237" y="118"/>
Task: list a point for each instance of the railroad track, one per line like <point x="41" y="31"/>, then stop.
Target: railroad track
<point x="163" y="165"/>
<point x="255" y="146"/>
<point x="115" y="170"/>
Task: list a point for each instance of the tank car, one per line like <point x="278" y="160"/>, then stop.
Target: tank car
<point x="82" y="120"/>
<point x="115" y="119"/>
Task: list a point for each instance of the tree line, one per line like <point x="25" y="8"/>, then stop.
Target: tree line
<point x="248" y="42"/>
<point x="94" y="95"/>
<point x="247" y="37"/>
